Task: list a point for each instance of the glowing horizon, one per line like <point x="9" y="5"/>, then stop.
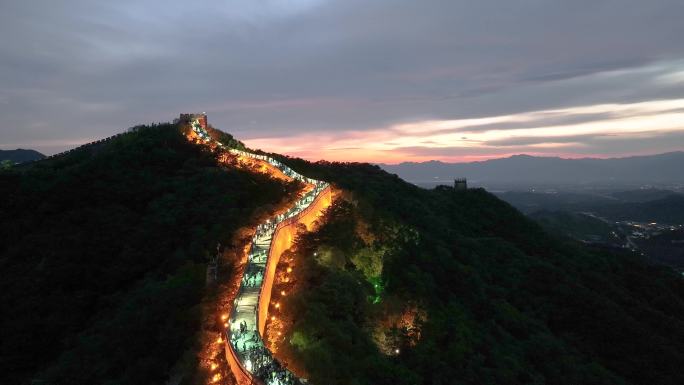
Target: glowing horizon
<point x="322" y="79"/>
<point x="574" y="132"/>
<point x="459" y="140"/>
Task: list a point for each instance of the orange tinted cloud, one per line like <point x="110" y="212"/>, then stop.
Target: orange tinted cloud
<point x="550" y="132"/>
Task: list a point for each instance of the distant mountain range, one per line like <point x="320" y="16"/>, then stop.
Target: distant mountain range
<point x="526" y="170"/>
<point x="20" y="155"/>
<point x="649" y="205"/>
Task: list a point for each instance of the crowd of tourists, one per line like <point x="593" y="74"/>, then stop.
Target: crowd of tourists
<point x="253" y="276"/>
<point x="244" y="339"/>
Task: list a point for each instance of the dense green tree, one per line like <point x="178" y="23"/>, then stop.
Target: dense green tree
<point x="505" y="302"/>
<point x="103" y="254"/>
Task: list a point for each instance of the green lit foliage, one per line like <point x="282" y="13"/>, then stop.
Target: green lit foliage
<point x="330" y="257"/>
<point x="505" y="302"/>
<point x="6" y="164"/>
<point x="378" y="289"/>
<point x="369" y="262"/>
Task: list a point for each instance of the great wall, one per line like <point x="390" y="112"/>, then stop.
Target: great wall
<point x="249" y="359"/>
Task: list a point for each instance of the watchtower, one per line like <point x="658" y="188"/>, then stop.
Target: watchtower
<point x="460" y="184"/>
<point x="201" y="118"/>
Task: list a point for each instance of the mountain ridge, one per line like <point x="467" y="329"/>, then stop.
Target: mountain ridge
<point x="526" y="169"/>
<point x="117" y="239"/>
<point x="528" y="156"/>
<point x="21" y="155"/>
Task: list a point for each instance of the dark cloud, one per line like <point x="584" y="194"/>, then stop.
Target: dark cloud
<point x="74" y="70"/>
<point x="639" y="143"/>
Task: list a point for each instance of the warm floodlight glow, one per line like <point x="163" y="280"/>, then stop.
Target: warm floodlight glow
<point x="316" y="196"/>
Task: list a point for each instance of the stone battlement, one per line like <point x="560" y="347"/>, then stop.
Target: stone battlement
<point x="201" y="118"/>
<point x="461" y="184"/>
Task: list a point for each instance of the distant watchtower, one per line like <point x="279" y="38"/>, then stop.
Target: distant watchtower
<point x="460" y="184"/>
<point x="201" y="118"/>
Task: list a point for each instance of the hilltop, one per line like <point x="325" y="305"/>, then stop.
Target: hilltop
<point x="104" y="252"/>
<point x="20" y="155"/>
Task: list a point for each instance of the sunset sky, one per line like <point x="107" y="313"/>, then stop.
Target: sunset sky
<point x="379" y="81"/>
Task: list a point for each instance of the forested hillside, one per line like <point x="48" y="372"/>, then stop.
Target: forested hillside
<point x="103" y="256"/>
<point x="409" y="286"/>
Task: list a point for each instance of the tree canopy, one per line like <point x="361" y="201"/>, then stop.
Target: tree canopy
<point x="103" y="255"/>
<point x="504" y="302"/>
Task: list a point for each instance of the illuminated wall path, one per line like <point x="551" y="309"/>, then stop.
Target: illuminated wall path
<point x="249" y="359"/>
